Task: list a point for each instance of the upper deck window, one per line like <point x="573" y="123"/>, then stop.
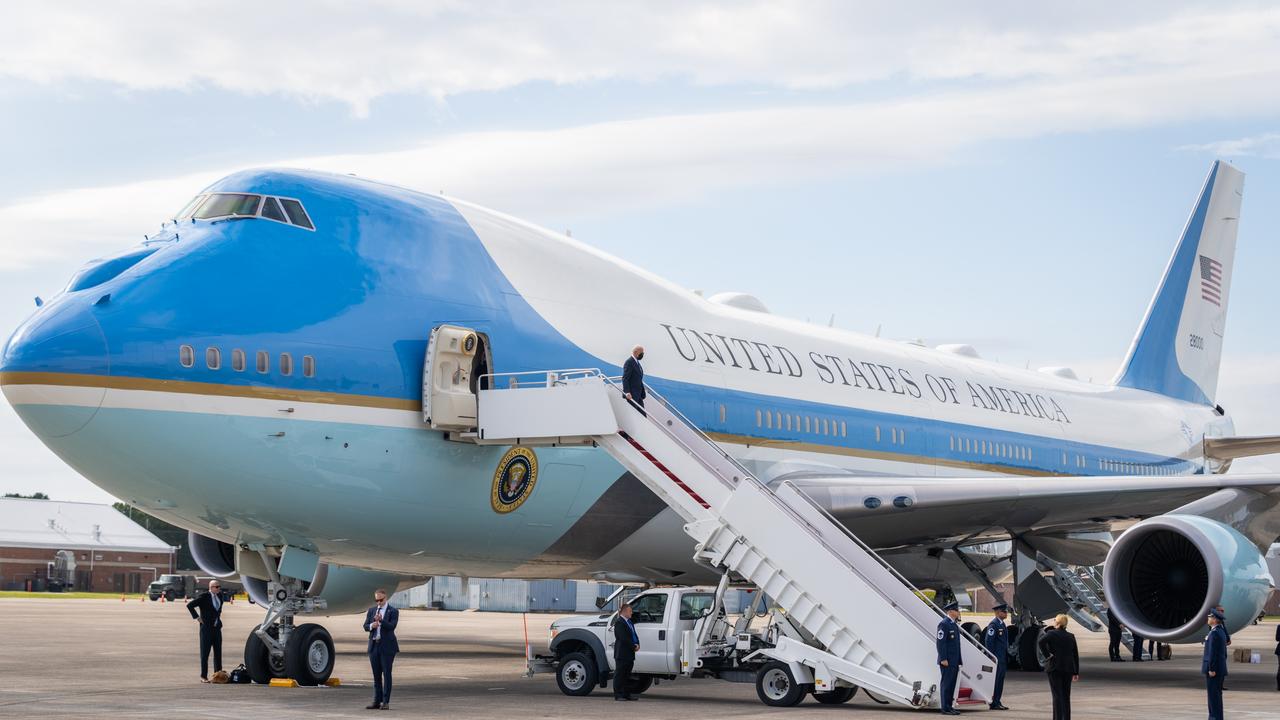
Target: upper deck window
<point x="219" y="205"/>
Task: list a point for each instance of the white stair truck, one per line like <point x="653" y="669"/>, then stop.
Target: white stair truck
<point x="848" y="620"/>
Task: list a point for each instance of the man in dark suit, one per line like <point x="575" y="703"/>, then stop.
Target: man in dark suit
<point x="1115" y="632"/>
<point x="1214" y="664"/>
<point x="209" y="617"/>
<point x="949" y="657"/>
<point x="380" y="622"/>
<point x="1278" y="658"/>
<point x="633" y="378"/>
<point x="625" y="644"/>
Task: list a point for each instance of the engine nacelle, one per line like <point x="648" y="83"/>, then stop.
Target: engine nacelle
<point x="1164" y="575"/>
<point x="213" y="557"/>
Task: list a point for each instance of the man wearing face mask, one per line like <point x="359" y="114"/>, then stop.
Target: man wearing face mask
<point x="633" y="378"/>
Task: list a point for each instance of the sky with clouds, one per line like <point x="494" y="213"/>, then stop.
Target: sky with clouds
<point x="1013" y="175"/>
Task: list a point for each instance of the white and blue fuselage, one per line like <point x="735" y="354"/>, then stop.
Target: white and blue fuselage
<point x="260" y="382"/>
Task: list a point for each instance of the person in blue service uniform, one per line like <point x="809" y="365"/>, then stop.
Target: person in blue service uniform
<point x="1214" y="665"/>
<point x="949" y="657"/>
<point x="996" y="639"/>
<point x="380" y="622"/>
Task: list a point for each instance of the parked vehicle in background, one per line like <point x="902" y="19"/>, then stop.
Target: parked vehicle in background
<point x="172" y="587"/>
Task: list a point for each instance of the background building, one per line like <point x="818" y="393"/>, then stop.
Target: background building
<point x="94" y="547"/>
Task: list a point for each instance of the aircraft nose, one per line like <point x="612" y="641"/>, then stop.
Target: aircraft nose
<point x="52" y="369"/>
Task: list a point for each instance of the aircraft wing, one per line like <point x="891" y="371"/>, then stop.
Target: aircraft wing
<point x="944" y="510"/>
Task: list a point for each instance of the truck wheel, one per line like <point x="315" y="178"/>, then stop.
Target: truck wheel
<point x="637" y="684"/>
<point x="777" y="687"/>
<point x="258" y="661"/>
<point x="308" y="656"/>
<point x="577" y="674"/>
<point x="838" y="696"/>
<point x="168" y="595"/>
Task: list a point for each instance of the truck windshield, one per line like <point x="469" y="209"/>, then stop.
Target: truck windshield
<point x="170" y="578"/>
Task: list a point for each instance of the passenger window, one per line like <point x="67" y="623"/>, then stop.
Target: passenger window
<point x="692" y="607"/>
<point x="263" y="362"/>
<point x="759" y="419"/>
<point x="271" y="210"/>
<point x="648" y="609"/>
<point x="213" y="358"/>
<point x="844" y="429"/>
<point x="286" y="364"/>
<point x="237" y="360"/>
<point x="187" y="356"/>
<point x="296" y="214"/>
<point x="309" y="369"/>
<point x="768" y="420"/>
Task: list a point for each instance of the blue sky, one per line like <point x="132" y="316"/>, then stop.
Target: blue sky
<point x="1010" y="175"/>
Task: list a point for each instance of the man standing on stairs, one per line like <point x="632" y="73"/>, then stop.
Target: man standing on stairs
<point x="996" y="640"/>
<point x="633" y="378"/>
<point x="949" y="657"/>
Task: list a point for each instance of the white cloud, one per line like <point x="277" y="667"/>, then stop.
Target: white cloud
<point x="1266" y="145"/>
<point x="597" y="168"/>
<point x="357" y="52"/>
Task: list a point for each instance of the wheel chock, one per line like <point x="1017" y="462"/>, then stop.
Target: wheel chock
<point x="283" y="682"/>
<point x="333" y="682"/>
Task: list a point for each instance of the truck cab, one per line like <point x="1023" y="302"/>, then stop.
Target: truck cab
<point x="583" y="646"/>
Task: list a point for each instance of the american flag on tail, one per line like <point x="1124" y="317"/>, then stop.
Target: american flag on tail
<point x="1211" y="280"/>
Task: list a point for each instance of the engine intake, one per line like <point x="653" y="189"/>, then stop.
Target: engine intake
<point x="214" y="557"/>
<point x="1164" y="575"/>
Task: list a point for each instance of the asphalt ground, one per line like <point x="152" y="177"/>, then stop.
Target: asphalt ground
<point x="137" y="659"/>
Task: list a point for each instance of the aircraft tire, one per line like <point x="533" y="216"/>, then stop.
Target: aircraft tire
<point x="309" y="656"/>
<point x="257" y="659"/>
<point x="1028" y="659"/>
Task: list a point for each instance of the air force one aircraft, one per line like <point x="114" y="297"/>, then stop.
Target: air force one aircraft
<point x="257" y="371"/>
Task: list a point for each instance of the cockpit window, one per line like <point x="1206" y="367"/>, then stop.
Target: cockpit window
<point x="189" y="208"/>
<point x="297" y="215"/>
<point x="228" y="205"/>
<point x="271" y="210"/>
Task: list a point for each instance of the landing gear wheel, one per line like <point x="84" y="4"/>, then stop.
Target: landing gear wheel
<point x="1028" y="653"/>
<point x="258" y="661"/>
<point x="577" y="674"/>
<point x="777" y="687"/>
<point x="308" y="656"/>
<point x="839" y="696"/>
<point x="638" y="684"/>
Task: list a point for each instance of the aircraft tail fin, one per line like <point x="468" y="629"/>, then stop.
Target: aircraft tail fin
<point x="1178" y="347"/>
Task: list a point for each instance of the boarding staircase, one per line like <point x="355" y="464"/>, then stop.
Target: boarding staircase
<point x="868" y="626"/>
<point x="1081" y="589"/>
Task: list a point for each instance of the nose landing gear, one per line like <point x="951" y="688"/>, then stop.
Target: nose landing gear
<point x="278" y="649"/>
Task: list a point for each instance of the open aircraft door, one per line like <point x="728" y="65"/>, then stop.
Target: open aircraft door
<point x="456" y="359"/>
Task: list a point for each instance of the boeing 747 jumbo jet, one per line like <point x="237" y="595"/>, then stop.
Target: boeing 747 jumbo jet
<point x="290" y="369"/>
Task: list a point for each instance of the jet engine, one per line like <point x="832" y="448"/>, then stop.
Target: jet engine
<point x="213" y="557"/>
<point x="1164" y="575"/>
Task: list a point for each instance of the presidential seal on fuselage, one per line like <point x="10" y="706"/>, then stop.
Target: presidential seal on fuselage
<point x="514" y="479"/>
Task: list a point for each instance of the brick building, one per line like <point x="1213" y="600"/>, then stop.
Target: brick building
<point x="111" y="552"/>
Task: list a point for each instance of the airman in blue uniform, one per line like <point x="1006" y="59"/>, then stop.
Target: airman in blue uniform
<point x="996" y="639"/>
<point x="949" y="657"/>
<point x="1214" y="664"/>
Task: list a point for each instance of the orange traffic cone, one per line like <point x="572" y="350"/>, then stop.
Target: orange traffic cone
<point x="162" y="599"/>
<point x="121" y="597"/>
